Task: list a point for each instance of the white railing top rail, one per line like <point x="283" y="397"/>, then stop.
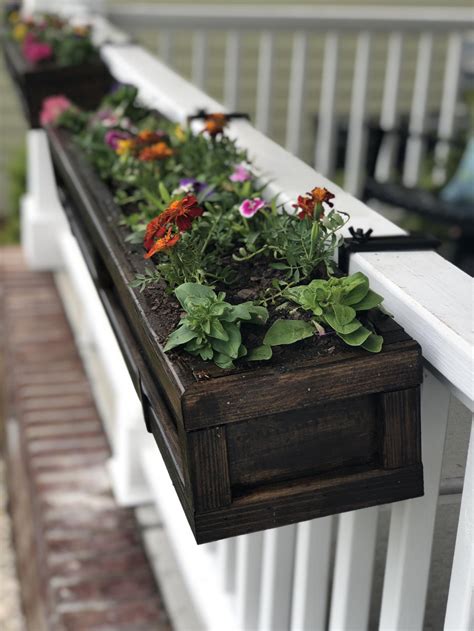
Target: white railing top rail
<point x="429" y="296"/>
<point x="301" y="18"/>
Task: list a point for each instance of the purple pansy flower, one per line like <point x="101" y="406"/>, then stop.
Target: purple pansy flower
<point x="249" y="207"/>
<point x="114" y="135"/>
<point x="240" y="174"/>
<point x="191" y="185"/>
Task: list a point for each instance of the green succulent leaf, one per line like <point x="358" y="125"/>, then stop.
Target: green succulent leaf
<point x="356" y="288"/>
<point x="230" y="346"/>
<point x="370" y="301"/>
<point x="188" y="291"/>
<point x="181" y="336"/>
<point x="373" y="343"/>
<point x="357" y="338"/>
<point x="261" y="353"/>
<point x="287" y="332"/>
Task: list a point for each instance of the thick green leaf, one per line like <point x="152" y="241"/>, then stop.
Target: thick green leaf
<point x="373" y="343"/>
<point x="356" y="287"/>
<point x="218" y="331"/>
<point x="206" y="353"/>
<point x="343" y="313"/>
<point x="357" y="338"/>
<point x="287" y="332"/>
<point x="223" y="360"/>
<point x="231" y="346"/>
<point x="261" y="353"/>
<point x="193" y="290"/>
<point x="371" y="300"/>
<point x="339" y="328"/>
<point x="182" y="335"/>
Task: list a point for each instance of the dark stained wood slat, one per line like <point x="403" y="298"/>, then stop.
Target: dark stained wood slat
<point x="291" y="503"/>
<point x="207" y="452"/>
<point x="401" y="435"/>
<point x="245" y="395"/>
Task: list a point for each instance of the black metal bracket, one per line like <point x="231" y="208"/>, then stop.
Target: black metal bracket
<point x="361" y="241"/>
<point x="202" y="114"/>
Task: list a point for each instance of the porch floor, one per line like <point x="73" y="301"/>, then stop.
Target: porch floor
<point x="79" y="556"/>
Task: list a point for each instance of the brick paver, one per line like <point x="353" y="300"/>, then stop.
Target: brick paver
<point x="80" y="558"/>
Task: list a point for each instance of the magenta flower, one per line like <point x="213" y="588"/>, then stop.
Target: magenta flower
<point x="35" y="51"/>
<point x="240" y="174"/>
<point x="112" y="137"/>
<point x="249" y="207"/>
<point x="53" y="107"/>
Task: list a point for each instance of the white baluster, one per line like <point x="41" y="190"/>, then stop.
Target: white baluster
<point x="199" y="59"/>
<point x="452" y="73"/>
<point x="296" y="93"/>
<point x="412" y="522"/>
<point x="232" y="71"/>
<point x="166" y="46"/>
<point x="460" y="609"/>
<point x="414" y="150"/>
<point x="311" y="576"/>
<point x="326" y="136"/>
<point x="265" y="83"/>
<point x="354" y="168"/>
<point x="226" y="562"/>
<point x="277" y="578"/>
<point x="248" y="578"/>
<point x="352" y="584"/>
<point x="388" y="117"/>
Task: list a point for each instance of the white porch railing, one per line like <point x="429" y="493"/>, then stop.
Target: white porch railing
<point x="284" y="578"/>
<point x="409" y="39"/>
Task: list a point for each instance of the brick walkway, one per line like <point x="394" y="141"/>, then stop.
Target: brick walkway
<point x="80" y="557"/>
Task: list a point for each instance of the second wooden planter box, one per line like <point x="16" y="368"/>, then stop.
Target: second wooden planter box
<point x="262" y="446"/>
<point x="85" y="84"/>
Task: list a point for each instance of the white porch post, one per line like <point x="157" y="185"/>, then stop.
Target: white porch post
<point x="42" y="216"/>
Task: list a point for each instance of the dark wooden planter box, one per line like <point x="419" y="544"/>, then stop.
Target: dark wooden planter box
<point x="258" y="447"/>
<point x="84" y="84"/>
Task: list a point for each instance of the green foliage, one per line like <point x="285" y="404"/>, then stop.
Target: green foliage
<point x="298" y="247"/>
<point x="211" y="326"/>
<point x="336" y="303"/>
<point x="220" y="238"/>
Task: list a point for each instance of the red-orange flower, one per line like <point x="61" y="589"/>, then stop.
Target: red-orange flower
<point x="214" y="124"/>
<point x="180" y="213"/>
<point x="307" y="203"/>
<point x="158" y="151"/>
<point x="164" y="242"/>
<point x="321" y="195"/>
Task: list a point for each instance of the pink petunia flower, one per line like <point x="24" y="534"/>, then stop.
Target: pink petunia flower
<point x="53" y="107"/>
<point x="240" y="174"/>
<point x="249" y="207"/>
<point x="35" y="51"/>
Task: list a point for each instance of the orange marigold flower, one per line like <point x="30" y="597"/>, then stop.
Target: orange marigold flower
<point x="148" y="136"/>
<point x="214" y="124"/>
<point x="321" y="195"/>
<point x="164" y="242"/>
<point x="180" y="213"/>
<point x="158" y="151"/>
<point x="307" y="203"/>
